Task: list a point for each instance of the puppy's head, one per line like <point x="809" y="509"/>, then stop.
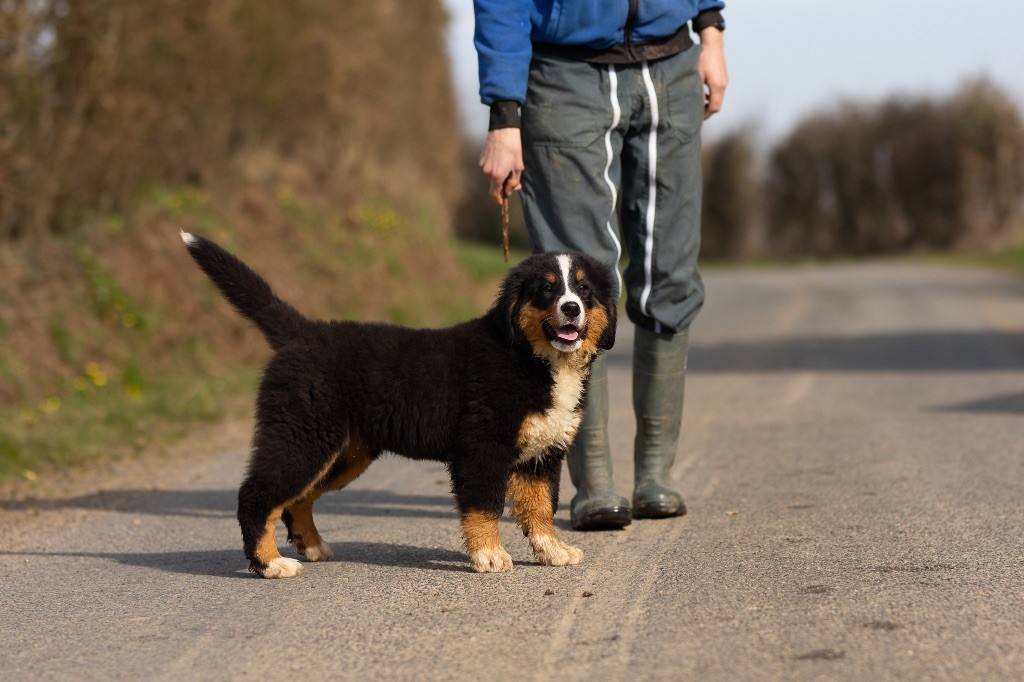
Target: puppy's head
<point x="558" y="303"/>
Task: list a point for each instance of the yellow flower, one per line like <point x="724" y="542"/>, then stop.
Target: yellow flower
<point x="50" y="405"/>
<point x="98" y="376"/>
<point x="284" y="194"/>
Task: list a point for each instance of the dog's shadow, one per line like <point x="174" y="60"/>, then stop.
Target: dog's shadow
<point x="221" y="503"/>
<point x="231" y="564"/>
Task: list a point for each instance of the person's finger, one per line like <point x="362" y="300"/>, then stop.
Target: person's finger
<point x="496" y="191"/>
<point x="511" y="183"/>
<point x="714" y="101"/>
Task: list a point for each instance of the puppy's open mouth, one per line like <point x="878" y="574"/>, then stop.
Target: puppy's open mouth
<point x="565" y="334"/>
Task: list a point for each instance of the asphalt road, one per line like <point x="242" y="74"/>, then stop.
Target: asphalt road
<point x="853" y="463"/>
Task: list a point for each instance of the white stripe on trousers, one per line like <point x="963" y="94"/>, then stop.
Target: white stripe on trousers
<point x="652" y="178"/>
<point x="613" y="83"/>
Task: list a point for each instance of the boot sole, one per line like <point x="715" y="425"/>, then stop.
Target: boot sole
<point x="610" y="518"/>
<point x="657" y="511"/>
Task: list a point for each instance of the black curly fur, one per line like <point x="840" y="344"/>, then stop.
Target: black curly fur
<point x="457" y="395"/>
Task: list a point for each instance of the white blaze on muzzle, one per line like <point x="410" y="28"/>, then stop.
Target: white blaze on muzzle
<point x="569" y="320"/>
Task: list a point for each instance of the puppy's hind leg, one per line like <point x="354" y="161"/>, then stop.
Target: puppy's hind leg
<point x="350" y="464"/>
<point x="279" y="474"/>
<point x="258" y="538"/>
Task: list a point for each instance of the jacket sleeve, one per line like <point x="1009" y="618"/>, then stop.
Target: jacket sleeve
<point x="705" y="5"/>
<point x="503" y="48"/>
<point x="709" y="13"/>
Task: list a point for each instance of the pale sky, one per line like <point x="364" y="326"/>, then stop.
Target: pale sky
<point x="787" y="58"/>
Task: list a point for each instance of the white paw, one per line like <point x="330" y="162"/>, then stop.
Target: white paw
<point x="551" y="551"/>
<point x="281" y="567"/>
<point x="321" y="552"/>
<point x="491" y="561"/>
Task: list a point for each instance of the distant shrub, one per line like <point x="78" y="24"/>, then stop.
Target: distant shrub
<point x="731" y="195"/>
<point x="905" y="173"/>
<point x="990" y="149"/>
<point x="101" y="97"/>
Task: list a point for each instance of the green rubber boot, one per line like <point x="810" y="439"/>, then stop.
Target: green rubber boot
<point x="596" y="506"/>
<point x="659" y="378"/>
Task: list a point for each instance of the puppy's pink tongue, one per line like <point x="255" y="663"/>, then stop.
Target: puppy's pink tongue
<point x="568" y="333"/>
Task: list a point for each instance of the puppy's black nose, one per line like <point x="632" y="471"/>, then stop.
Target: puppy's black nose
<point x="571" y="309"/>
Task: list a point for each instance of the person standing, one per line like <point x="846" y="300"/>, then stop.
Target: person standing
<point x="596" y="109"/>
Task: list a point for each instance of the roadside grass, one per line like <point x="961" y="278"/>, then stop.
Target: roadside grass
<point x="485" y="263"/>
<point x="101" y="417"/>
<point x="1009" y="259"/>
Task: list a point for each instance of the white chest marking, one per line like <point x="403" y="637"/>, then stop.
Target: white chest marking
<point x="557" y="425"/>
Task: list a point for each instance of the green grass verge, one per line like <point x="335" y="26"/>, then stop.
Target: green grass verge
<point x="1010" y="259"/>
<point x="99" y="416"/>
<point x="485" y="263"/>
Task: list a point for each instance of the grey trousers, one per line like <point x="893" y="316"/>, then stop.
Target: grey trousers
<point x="612" y="157"/>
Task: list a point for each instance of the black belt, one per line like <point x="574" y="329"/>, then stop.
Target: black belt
<point x="622" y="53"/>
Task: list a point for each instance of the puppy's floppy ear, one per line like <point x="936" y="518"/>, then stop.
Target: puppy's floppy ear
<point x="503" y="315"/>
<point x="607" y="339"/>
<point x="606" y="288"/>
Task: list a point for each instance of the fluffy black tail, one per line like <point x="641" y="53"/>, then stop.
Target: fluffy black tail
<point x="246" y="291"/>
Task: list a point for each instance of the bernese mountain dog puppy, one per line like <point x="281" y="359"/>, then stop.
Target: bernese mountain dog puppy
<point x="498" y="399"/>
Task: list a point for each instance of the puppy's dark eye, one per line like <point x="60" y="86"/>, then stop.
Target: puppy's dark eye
<point x="548" y="288"/>
<point x="583" y="287"/>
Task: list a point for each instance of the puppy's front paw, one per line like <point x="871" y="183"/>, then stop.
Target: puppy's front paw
<point x="550" y="551"/>
<point x="318" y="552"/>
<point x="495" y="560"/>
<point x="281" y="567"/>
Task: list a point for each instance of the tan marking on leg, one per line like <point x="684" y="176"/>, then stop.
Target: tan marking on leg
<point x="304" y="533"/>
<point x="531" y="504"/>
<point x="308" y="541"/>
<point x="480" y="531"/>
<point x="357" y="456"/>
<point x="596" y="325"/>
<point x="531" y="507"/>
<point x="266" y="547"/>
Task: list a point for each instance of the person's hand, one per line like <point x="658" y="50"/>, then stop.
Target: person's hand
<point x="502" y="162"/>
<point x="711" y="66"/>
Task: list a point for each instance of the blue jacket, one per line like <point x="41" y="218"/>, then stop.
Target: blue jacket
<point x="506" y="30"/>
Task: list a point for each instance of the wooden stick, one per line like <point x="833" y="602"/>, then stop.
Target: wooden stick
<point x="504" y="226"/>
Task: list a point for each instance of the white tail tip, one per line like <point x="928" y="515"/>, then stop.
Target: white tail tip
<point x="188" y="238"/>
